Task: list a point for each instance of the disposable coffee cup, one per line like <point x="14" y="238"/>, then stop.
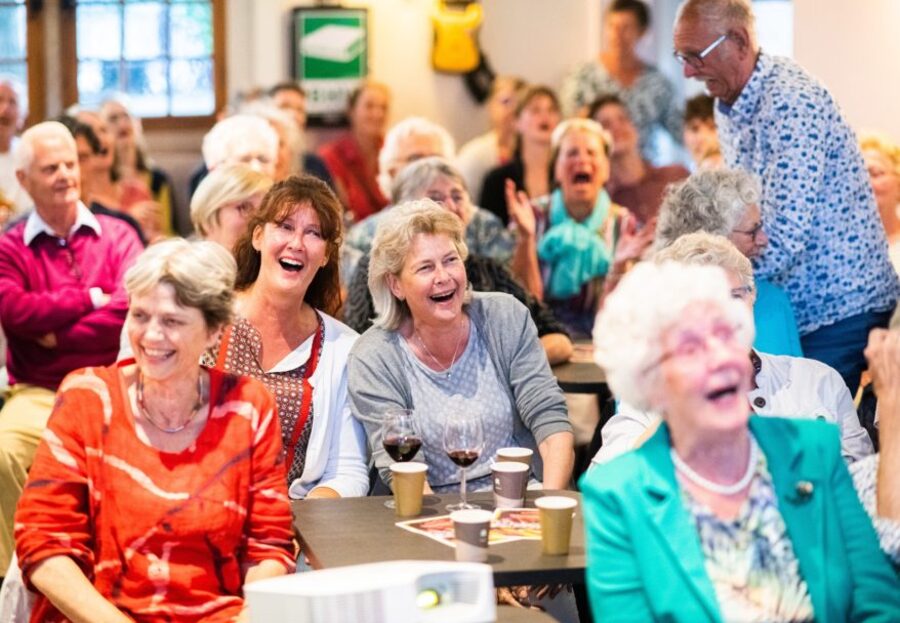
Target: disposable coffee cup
<point x="520" y="455"/>
<point x="510" y="481"/>
<point x="408" y="485"/>
<point x="556" y="514"/>
<point x="471" y="529"/>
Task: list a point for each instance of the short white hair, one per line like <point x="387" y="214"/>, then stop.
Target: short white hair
<point x="727" y="13"/>
<point x="388" y="155"/>
<point x="283" y="119"/>
<point x="21" y="93"/>
<point x="585" y="126"/>
<point x="47" y="130"/>
<point x="236" y="132"/>
<point x="649" y="301"/>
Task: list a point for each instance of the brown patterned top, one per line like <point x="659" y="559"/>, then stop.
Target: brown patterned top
<point x="238" y="352"/>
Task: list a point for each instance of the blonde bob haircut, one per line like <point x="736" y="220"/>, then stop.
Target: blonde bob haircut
<point x="230" y="184"/>
<point x="202" y="274"/>
<point x="706" y="249"/>
<point x="391" y="245"/>
<point x="649" y="301"/>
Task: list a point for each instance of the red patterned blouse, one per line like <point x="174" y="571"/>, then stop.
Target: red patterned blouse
<point x="163" y="536"/>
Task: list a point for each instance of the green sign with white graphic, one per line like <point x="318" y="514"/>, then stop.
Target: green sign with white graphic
<point x="330" y="58"/>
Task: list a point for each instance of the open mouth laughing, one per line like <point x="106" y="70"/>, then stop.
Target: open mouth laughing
<point x="291" y="265"/>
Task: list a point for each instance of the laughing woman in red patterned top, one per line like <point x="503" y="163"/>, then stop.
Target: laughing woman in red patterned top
<point x="158" y="491"/>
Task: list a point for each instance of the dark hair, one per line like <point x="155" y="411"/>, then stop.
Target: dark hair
<point x="282" y="199"/>
<point x="360" y="89"/>
<point x="605" y="100"/>
<point x="533" y="91"/>
<point x="635" y="7"/>
<point x="287" y="85"/>
<point x="78" y="128"/>
<point x="699" y="107"/>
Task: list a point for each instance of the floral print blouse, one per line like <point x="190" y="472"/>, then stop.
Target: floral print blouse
<point x="750" y="560"/>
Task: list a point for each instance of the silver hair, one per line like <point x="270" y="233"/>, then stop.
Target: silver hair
<point x="705" y="249"/>
<point x="414" y="179"/>
<point x="202" y="274"/>
<point x="387" y="157"/>
<point x="650" y="300"/>
<point x="391" y="245"/>
<point x="727" y="13"/>
<point x="234" y="132"/>
<point x="224" y="185"/>
<point x="21" y="94"/>
<point x="712" y="201"/>
<point x="24" y="154"/>
<point x="276" y="116"/>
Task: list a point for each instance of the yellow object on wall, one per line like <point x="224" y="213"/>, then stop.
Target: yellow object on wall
<point x="455" y="46"/>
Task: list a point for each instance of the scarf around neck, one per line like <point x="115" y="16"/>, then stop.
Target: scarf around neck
<point x="574" y="252"/>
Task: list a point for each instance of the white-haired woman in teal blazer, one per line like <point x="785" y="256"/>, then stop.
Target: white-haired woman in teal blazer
<point x="719" y="516"/>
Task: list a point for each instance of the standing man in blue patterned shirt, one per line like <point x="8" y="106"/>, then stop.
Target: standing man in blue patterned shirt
<point x="827" y="247"/>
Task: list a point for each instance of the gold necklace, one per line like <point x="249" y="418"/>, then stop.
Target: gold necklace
<point x="449" y="369"/>
<point x="146" y="414"/>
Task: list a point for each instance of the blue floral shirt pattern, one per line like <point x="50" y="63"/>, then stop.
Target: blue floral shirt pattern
<point x="750" y="560"/>
<point x="650" y="100"/>
<point x="827" y="247"/>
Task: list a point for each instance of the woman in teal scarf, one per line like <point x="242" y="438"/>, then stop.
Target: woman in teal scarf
<point x="576" y="250"/>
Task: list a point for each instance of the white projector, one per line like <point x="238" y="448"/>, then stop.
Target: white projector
<point x="403" y="591"/>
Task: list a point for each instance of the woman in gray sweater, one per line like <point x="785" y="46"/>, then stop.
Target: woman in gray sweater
<point x="441" y="350"/>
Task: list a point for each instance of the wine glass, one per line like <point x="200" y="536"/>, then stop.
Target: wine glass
<point x="463" y="443"/>
<point x="399" y="437"/>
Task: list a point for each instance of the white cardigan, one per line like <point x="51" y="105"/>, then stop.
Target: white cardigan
<point x="337" y="454"/>
<point x="792" y="387"/>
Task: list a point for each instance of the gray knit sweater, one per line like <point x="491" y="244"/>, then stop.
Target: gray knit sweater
<point x="378" y="380"/>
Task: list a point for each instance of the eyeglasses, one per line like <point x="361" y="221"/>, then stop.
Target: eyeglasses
<point x="741" y="293"/>
<point x="695" y="59"/>
<point x="753" y="233"/>
<point x="691" y="346"/>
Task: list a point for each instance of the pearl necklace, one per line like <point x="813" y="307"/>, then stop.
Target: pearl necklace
<point x="146" y="414"/>
<point x="449" y="369"/>
<point x="714" y="487"/>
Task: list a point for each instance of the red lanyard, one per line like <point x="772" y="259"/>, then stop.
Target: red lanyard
<point x="306" y="400"/>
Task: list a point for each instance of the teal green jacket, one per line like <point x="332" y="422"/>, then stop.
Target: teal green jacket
<point x="644" y="556"/>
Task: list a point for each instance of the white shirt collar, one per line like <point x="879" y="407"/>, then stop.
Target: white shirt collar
<point x="36" y="225"/>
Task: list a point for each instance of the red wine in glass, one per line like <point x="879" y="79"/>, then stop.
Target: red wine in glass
<point x="400" y="437"/>
<point x="402" y="448"/>
<point x="463" y="442"/>
<point x="463" y="458"/>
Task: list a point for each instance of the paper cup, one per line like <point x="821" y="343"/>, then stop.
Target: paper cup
<point x="556" y="513"/>
<point x="471" y="529"/>
<point x="520" y="455"/>
<point x="408" y="485"/>
<point x="510" y="481"/>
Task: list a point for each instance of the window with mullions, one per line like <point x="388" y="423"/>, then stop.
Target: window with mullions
<point x="160" y="55"/>
<point x="13" y="52"/>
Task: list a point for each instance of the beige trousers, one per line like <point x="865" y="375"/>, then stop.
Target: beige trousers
<point x="22" y="422"/>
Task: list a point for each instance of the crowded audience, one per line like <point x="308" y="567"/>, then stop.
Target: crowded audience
<point x="183" y="366"/>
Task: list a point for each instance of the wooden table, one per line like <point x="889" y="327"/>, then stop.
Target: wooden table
<point x="580" y="375"/>
<point x="350" y="531"/>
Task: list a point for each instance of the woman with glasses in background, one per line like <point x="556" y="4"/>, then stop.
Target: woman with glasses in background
<point x="726" y="203"/>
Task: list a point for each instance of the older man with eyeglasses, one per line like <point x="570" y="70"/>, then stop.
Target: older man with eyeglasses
<point x="827" y="248"/>
<point x="62" y="300"/>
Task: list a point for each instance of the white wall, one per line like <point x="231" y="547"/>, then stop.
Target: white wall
<point x="538" y="39"/>
<point x="854" y="49"/>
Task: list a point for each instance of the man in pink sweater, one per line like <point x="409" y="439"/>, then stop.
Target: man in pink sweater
<point x="62" y="301"/>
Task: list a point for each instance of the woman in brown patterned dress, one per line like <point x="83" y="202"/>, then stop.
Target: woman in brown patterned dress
<point x="284" y="335"/>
